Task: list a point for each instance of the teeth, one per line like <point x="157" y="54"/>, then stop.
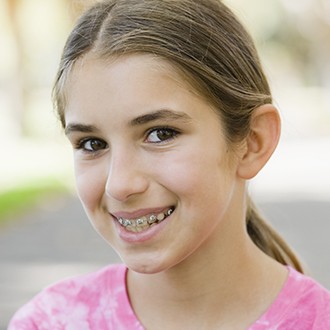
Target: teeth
<point x="139" y="222"/>
<point x="169" y="212"/>
<point x="161" y="216"/>
<point x="144" y="222"/>
<point x="152" y="219"/>
<point x="127" y="223"/>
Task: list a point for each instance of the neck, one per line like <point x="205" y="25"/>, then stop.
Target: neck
<point x="229" y="279"/>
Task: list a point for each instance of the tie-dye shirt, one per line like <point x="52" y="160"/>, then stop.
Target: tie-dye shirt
<point x="99" y="301"/>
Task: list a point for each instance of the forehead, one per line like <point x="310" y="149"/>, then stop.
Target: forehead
<point x="141" y="64"/>
<point x="114" y="94"/>
<point x="90" y="63"/>
<point x="138" y="79"/>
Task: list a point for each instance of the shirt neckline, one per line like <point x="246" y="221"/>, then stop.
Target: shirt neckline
<point x="279" y="304"/>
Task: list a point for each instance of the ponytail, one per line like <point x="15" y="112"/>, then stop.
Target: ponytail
<point x="268" y="240"/>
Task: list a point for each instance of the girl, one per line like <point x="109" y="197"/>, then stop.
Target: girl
<point x="170" y="114"/>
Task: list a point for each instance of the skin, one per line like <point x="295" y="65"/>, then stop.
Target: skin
<point x="201" y="260"/>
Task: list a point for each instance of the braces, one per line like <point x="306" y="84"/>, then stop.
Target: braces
<point x="142" y="221"/>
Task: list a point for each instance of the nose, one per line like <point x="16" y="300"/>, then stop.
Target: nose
<point x="126" y="177"/>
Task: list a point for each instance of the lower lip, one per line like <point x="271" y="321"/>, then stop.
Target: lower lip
<point x="142" y="236"/>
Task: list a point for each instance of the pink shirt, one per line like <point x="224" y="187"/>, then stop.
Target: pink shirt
<point x="99" y="301"/>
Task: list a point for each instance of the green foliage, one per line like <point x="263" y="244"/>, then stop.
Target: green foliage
<point x="16" y="201"/>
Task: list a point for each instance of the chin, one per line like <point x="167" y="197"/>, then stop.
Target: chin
<point x="146" y="267"/>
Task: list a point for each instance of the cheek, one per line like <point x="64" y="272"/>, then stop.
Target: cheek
<point x="196" y="174"/>
<point x="90" y="186"/>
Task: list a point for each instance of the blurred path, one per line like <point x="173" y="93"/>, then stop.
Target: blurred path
<point x="43" y="247"/>
<point x="57" y="242"/>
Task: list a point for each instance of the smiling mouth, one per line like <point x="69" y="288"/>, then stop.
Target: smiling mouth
<point x="145" y="222"/>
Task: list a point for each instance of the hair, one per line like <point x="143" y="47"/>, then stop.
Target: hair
<point x="207" y="45"/>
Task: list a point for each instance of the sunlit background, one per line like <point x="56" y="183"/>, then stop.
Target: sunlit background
<point x="293" y="39"/>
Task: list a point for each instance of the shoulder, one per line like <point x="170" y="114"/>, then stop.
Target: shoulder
<point x="85" y="288"/>
<point x="303" y="304"/>
<point x="312" y="301"/>
<point x="77" y="299"/>
<point x="307" y="293"/>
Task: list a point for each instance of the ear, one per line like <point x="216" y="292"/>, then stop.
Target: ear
<point x="265" y="129"/>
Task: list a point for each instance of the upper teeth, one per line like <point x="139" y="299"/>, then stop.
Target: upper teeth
<point x="145" y="219"/>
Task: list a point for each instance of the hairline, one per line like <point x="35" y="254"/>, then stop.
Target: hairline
<point x="184" y="75"/>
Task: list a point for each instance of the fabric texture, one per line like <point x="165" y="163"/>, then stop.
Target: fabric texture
<point x="99" y="301"/>
<point x="96" y="301"/>
<point x="302" y="304"/>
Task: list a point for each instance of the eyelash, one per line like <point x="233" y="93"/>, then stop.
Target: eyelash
<point x="170" y="132"/>
<point x="81" y="144"/>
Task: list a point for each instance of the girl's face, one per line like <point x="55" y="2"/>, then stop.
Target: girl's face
<point x="153" y="170"/>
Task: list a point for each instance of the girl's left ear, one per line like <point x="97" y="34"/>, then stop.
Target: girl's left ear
<point x="265" y="130"/>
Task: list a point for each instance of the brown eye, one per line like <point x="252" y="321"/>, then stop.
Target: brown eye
<point x="93" y="145"/>
<point x="161" y="135"/>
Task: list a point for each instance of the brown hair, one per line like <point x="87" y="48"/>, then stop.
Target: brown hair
<point x="206" y="43"/>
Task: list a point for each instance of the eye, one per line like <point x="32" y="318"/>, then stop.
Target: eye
<point x="161" y="134"/>
<point x="92" y="145"/>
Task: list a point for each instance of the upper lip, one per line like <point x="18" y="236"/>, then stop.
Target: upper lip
<point x="139" y="213"/>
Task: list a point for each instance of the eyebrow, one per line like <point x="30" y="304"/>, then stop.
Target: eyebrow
<point x="71" y="128"/>
<point x="163" y="114"/>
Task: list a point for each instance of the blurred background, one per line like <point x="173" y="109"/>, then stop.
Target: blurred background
<point x="44" y="234"/>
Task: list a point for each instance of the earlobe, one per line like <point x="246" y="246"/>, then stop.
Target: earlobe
<point x="265" y="129"/>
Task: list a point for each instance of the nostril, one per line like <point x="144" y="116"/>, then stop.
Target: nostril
<point x="121" y="184"/>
